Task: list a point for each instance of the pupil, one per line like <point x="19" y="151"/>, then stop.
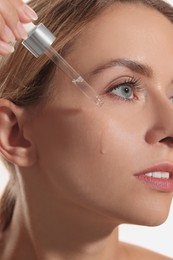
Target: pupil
<point x="126" y="90"/>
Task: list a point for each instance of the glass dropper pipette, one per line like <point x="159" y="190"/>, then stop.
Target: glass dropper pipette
<point x="40" y="41"/>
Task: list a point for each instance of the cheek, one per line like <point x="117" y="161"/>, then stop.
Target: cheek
<point x="88" y="150"/>
<point x="88" y="139"/>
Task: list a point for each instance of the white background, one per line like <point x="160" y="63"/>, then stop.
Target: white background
<point x="159" y="239"/>
<point x="169" y="1"/>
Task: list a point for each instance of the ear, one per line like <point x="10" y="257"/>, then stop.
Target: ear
<point x="14" y="146"/>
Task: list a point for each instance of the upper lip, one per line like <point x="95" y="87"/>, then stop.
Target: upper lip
<point x="164" y="167"/>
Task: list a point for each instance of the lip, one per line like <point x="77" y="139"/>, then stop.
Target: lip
<point x="164" y="185"/>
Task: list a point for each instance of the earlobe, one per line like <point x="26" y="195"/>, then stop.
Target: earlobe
<point x="14" y="146"/>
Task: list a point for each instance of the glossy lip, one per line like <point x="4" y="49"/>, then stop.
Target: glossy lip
<point x="159" y="184"/>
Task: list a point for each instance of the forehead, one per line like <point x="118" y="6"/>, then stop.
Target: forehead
<point x="128" y="30"/>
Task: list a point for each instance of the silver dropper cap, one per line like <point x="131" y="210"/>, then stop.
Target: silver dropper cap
<point x="39" y="40"/>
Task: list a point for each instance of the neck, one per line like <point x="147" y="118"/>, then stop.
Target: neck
<point x="57" y="228"/>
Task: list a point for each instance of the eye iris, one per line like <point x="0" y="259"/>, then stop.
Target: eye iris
<point x="126" y="90"/>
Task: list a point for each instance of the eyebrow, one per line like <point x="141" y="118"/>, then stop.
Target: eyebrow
<point x="134" y="66"/>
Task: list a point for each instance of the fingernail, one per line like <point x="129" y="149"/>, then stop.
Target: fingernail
<point x="9" y="33"/>
<point x="21" y="31"/>
<point x="30" y="12"/>
<point x="6" y="47"/>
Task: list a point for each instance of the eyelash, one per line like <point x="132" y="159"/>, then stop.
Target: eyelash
<point x="133" y="82"/>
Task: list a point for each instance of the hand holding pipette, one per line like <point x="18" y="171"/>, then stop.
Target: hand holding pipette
<point x="38" y="40"/>
<point x="13" y="14"/>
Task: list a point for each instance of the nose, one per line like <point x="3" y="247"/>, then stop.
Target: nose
<point x="161" y="127"/>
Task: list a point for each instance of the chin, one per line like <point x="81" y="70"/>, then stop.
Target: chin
<point x="151" y="211"/>
<point x="157" y="220"/>
<point x="152" y="218"/>
<point x="148" y="215"/>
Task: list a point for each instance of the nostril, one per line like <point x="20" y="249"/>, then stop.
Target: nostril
<point x="167" y="140"/>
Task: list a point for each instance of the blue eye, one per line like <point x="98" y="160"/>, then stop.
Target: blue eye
<point x="124" y="91"/>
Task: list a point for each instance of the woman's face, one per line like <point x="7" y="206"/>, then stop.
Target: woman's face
<point x="91" y="154"/>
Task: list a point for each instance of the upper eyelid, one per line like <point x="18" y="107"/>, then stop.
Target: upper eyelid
<point x="121" y="84"/>
<point x="126" y="80"/>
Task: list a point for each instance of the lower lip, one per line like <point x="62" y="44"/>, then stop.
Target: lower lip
<point x="165" y="185"/>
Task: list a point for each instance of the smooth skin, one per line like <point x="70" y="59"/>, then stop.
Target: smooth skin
<point x="76" y="162"/>
<point x="13" y="13"/>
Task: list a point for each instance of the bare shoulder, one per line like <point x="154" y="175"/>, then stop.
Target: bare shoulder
<point x="135" y="252"/>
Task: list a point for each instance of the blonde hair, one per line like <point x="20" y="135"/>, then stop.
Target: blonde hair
<point x="66" y="19"/>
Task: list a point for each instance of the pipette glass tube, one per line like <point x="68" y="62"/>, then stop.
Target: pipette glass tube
<point x="39" y="41"/>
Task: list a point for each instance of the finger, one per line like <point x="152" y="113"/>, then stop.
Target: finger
<point x="5" y="48"/>
<point x="26" y="14"/>
<point x="15" y="14"/>
<point x="9" y="16"/>
<point x="6" y="34"/>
